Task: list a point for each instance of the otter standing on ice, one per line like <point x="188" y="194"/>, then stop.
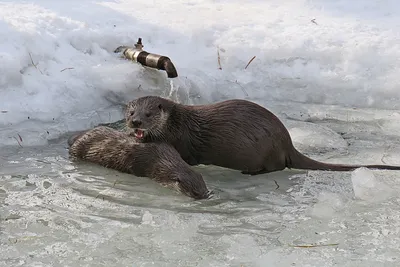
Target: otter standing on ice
<point x="235" y="134"/>
<point x="160" y="162"/>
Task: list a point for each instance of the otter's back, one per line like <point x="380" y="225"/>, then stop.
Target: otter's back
<point x="246" y="130"/>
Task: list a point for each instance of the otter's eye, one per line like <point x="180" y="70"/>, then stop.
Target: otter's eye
<point x="132" y="112"/>
<point x="148" y="114"/>
<point x="160" y="106"/>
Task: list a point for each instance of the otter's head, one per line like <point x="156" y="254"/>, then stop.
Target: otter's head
<point x="72" y="138"/>
<point x="192" y="185"/>
<point x="147" y="116"/>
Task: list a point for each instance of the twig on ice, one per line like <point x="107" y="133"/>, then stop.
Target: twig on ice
<point x="66" y="69"/>
<point x="35" y="65"/>
<point x="116" y="181"/>
<point x="314" y="246"/>
<point x="244" y="90"/>
<point x="277" y="185"/>
<point x="219" y="59"/>
<point x="17" y="141"/>
<point x="250" y="62"/>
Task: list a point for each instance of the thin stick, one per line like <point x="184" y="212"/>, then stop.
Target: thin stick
<point x="17" y="141"/>
<point x="98" y="195"/>
<point x="35" y="65"/>
<point x="116" y="181"/>
<point x="219" y="59"/>
<point x="66" y="69"/>
<point x="313" y="246"/>
<point x="250" y="62"/>
<point x="244" y="90"/>
<point x="277" y="185"/>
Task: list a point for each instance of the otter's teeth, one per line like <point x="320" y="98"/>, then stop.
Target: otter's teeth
<point x="139" y="133"/>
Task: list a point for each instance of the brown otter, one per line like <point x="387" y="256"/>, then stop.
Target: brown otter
<point x="236" y="134"/>
<point x="160" y="162"/>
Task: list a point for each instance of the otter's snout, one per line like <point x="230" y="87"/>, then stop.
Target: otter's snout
<point x="136" y="123"/>
<point x="199" y="194"/>
<point x="194" y="186"/>
<point x="71" y="140"/>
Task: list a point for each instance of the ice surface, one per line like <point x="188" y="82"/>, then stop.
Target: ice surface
<point x="328" y="69"/>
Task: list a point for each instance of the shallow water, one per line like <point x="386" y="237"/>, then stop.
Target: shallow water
<point x="58" y="213"/>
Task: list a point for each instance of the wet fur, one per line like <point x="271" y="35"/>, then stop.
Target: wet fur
<point x="116" y="150"/>
<point x="236" y="134"/>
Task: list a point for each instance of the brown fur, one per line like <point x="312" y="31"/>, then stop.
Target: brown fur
<point x="160" y="162"/>
<point x="235" y="134"/>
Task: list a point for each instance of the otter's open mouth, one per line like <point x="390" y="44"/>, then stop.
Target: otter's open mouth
<point x="138" y="133"/>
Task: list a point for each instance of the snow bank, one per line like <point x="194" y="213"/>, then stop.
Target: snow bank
<point x="348" y="56"/>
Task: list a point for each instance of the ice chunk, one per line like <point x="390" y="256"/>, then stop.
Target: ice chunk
<point x="368" y="188"/>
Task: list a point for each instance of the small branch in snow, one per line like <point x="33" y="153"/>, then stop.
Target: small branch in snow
<point x="277" y="185"/>
<point x="35" y="65"/>
<point x="66" y="69"/>
<point x="18" y="141"/>
<point x="219" y="59"/>
<point x="98" y="195"/>
<point x="244" y="91"/>
<point x="313" y="21"/>
<point x="116" y="182"/>
<point x="250" y="62"/>
<point x="314" y="246"/>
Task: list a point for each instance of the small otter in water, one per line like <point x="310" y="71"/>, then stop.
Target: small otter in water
<point x="160" y="162"/>
<point x="236" y="134"/>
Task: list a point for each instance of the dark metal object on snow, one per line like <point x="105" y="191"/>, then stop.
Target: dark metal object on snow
<point x="151" y="60"/>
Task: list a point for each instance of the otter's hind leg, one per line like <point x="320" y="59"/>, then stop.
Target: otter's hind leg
<point x="272" y="163"/>
<point x="255" y="172"/>
<point x="266" y="169"/>
<point x="252" y="173"/>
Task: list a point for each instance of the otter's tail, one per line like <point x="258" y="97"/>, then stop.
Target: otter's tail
<point x="299" y="161"/>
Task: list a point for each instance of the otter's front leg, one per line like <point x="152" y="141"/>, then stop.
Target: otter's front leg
<point x="191" y="161"/>
<point x="186" y="154"/>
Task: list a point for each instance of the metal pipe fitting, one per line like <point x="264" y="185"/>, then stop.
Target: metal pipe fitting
<point x="151" y="60"/>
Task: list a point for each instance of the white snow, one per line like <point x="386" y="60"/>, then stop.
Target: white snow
<point x="348" y="56"/>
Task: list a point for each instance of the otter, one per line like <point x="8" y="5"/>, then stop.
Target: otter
<point x="235" y="134"/>
<point x="116" y="150"/>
